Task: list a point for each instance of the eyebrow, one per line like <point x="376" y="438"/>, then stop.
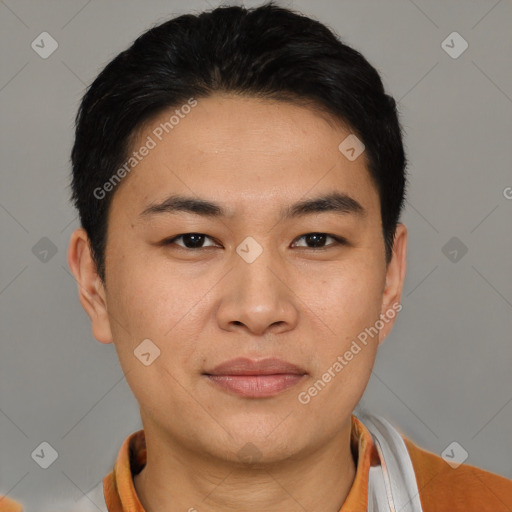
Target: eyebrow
<point x="335" y="202"/>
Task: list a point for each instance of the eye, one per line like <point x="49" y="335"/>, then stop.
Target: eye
<point x="318" y="239"/>
<point x="190" y="240"/>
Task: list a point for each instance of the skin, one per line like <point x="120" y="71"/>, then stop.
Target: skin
<point x="204" y="306"/>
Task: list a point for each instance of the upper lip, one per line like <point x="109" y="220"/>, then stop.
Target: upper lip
<point x="245" y="366"/>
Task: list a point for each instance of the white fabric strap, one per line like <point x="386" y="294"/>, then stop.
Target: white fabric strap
<point x="392" y="485"/>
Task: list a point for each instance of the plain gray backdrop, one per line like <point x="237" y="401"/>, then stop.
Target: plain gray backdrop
<point x="444" y="373"/>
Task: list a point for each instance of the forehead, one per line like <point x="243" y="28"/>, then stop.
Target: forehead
<point x="243" y="151"/>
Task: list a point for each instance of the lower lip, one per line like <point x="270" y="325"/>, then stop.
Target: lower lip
<point x="256" y="386"/>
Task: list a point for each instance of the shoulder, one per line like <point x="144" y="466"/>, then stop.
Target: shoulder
<point x="93" y="501"/>
<point x="446" y="488"/>
<point x="9" y="505"/>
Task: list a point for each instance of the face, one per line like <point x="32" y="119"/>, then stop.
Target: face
<point x="249" y="277"/>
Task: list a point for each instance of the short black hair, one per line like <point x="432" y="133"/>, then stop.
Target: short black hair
<point x="265" y="52"/>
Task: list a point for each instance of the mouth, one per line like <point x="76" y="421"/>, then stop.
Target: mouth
<point x="255" y="379"/>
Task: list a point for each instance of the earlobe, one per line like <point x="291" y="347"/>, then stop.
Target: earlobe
<point x="395" y="276"/>
<point x="91" y="291"/>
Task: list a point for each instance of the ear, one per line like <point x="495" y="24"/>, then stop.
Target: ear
<point x="91" y="290"/>
<point x="395" y="275"/>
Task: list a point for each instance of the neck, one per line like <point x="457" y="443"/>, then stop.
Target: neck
<point x="175" y="480"/>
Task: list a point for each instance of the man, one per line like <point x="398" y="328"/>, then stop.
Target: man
<point x="240" y="176"/>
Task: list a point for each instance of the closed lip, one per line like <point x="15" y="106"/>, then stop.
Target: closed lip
<point x="246" y="366"/>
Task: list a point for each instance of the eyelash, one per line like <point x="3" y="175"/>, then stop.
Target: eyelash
<point x="338" y="241"/>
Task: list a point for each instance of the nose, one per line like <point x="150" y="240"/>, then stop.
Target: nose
<point x="257" y="298"/>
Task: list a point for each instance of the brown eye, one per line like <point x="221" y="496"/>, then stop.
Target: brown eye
<point x="317" y="240"/>
<point x="190" y="241"/>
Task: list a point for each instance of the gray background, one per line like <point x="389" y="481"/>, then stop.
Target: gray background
<point x="444" y="373"/>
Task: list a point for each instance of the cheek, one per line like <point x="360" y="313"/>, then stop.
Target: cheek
<point x="146" y="301"/>
<point x="351" y="299"/>
<point x="345" y="354"/>
<point x="349" y="307"/>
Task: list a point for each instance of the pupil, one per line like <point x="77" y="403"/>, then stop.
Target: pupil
<point x="315" y="237"/>
<point x="198" y="241"/>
